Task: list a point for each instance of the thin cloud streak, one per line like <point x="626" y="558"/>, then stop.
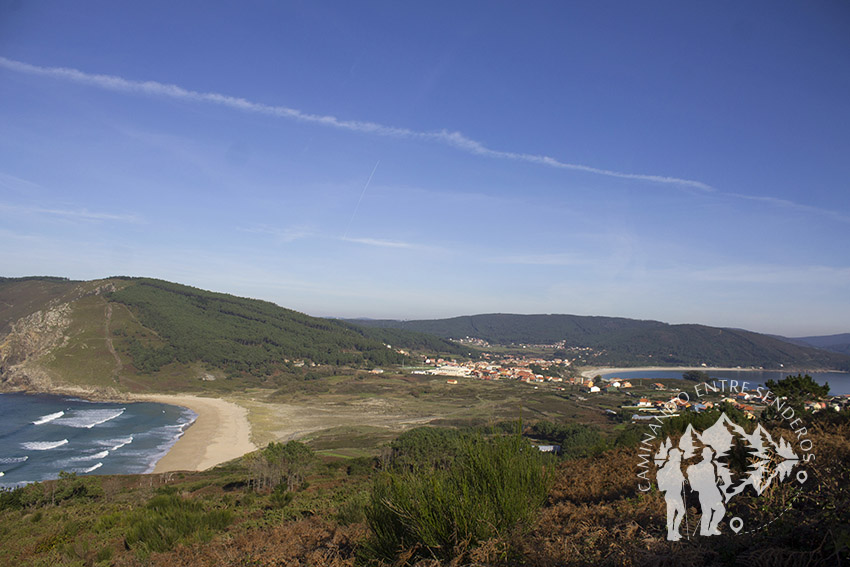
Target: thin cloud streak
<point x="786" y="204"/>
<point x="17" y="184"/>
<point x="380" y="243"/>
<point x="454" y="139"/>
<point x="286" y="235"/>
<point x="79" y="214"/>
<point x="541" y="260"/>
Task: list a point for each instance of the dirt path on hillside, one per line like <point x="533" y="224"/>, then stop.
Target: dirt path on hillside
<point x="118" y="365"/>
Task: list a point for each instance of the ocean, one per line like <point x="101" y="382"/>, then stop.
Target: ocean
<point x="839" y="382"/>
<point x="42" y="435"/>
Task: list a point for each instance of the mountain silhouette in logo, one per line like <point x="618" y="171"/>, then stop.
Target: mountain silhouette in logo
<point x="768" y="459"/>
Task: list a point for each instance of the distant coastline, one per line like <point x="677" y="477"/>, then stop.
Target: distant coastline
<point x="839" y="381"/>
<point x="596" y="371"/>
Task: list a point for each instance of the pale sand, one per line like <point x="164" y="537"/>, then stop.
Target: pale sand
<point x="220" y="433"/>
<point x="593" y="372"/>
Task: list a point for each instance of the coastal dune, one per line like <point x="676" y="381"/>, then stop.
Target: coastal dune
<point x="219" y="434"/>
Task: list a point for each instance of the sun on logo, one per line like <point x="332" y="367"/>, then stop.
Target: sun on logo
<point x="710" y="476"/>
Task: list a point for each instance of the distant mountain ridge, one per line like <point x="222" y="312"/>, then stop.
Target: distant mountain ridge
<point x="839" y="343"/>
<point x="631" y="342"/>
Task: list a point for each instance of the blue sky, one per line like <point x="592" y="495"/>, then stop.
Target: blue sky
<point x="686" y="162"/>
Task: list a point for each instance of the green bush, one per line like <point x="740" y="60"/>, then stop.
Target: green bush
<point x="493" y="488"/>
<point x="575" y="439"/>
<point x="280" y="497"/>
<point x="11" y="499"/>
<point x="360" y="466"/>
<point x="352" y="511"/>
<point x="168" y="519"/>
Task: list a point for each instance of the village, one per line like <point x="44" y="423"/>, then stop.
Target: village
<point x="646" y="398"/>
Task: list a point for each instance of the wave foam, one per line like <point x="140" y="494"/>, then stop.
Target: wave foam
<point x="90" y="469"/>
<point x="48" y="418"/>
<point x="94" y="457"/>
<point x="115" y="444"/>
<point x="86" y="419"/>
<point x="12" y="460"/>
<point x="43" y="445"/>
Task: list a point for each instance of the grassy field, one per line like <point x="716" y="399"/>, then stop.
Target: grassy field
<point x="355" y="412"/>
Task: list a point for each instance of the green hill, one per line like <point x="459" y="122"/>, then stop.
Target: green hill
<point x="836" y="343"/>
<point x="141" y="334"/>
<point x="620" y="341"/>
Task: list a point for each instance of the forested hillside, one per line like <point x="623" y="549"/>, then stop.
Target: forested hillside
<point x="836" y="343"/>
<point x="250" y="335"/>
<point x="629" y="341"/>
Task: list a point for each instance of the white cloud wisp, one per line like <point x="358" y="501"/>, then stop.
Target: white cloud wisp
<point x="454" y="139"/>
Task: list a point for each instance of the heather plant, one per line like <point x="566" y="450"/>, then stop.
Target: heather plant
<point x="492" y="488"/>
<point x="168" y="519"/>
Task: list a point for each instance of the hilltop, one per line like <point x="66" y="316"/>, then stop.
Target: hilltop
<point x="139" y="334"/>
<point x="630" y="342"/>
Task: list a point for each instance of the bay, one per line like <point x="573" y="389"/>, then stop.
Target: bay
<point x="839" y="382"/>
<point x="41" y="435"/>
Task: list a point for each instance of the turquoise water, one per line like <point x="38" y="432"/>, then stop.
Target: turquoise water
<point x="839" y="382"/>
<point x="41" y="435"/>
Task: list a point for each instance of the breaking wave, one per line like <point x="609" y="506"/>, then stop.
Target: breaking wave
<point x="12" y="460"/>
<point x="48" y="418"/>
<point x="115" y="444"/>
<point x="86" y="419"/>
<point x="90" y="469"/>
<point x="43" y="445"/>
<point x="94" y="457"/>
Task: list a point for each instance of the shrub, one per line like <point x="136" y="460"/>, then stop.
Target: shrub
<point x="168" y="519"/>
<point x="11" y="499"/>
<point x="352" y="511"/>
<point x="280" y="497"/>
<point x="494" y="487"/>
<point x="576" y="439"/>
<point x="360" y="466"/>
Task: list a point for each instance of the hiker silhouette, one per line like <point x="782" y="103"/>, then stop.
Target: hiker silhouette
<point x="671" y="482"/>
<point x="702" y="477"/>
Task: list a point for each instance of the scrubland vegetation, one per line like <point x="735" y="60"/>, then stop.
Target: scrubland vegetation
<point x="433" y="496"/>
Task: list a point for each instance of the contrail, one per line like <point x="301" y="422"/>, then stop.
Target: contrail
<point x="357" y="206"/>
<point x="454" y="139"/>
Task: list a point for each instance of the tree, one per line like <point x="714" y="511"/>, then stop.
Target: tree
<point x="696" y="376"/>
<point x="279" y="463"/>
<point x="798" y="388"/>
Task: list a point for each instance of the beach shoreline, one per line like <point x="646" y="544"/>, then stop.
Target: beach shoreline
<point x="220" y="433"/>
<point x="595" y="371"/>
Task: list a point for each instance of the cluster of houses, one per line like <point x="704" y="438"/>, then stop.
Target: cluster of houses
<point x="505" y="369"/>
<point x="519" y="368"/>
<point x="747" y="402"/>
<point x="589" y="387"/>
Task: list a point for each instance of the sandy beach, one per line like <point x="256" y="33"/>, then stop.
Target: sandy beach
<point x="219" y="434"/>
